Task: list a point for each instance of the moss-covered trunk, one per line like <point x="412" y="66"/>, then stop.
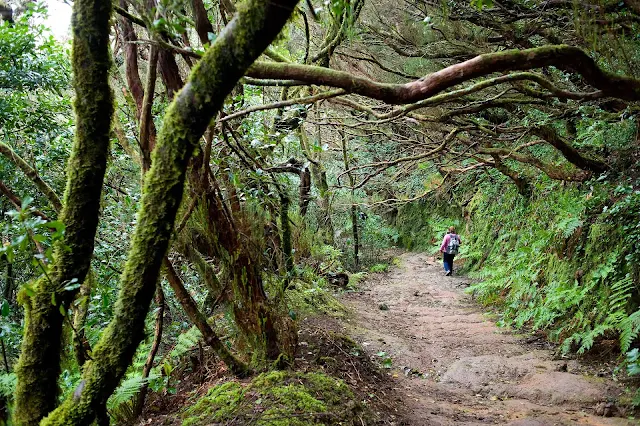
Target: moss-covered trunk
<point x="224" y="63"/>
<point x="319" y="175"/>
<point x="39" y="364"/>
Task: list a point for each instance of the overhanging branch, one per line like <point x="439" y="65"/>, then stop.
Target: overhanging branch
<point x="565" y="57"/>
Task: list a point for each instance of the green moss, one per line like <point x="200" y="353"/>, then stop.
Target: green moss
<point x="422" y="225"/>
<point x="310" y="294"/>
<point x="279" y="398"/>
<point x="379" y="267"/>
<point x="219" y="403"/>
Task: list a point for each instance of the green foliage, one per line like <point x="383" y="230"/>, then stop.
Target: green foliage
<point x="422" y="225"/>
<point x="482" y="3"/>
<point x="557" y="262"/>
<point x="379" y="267"/>
<point x="385" y="359"/>
<point x="7" y="384"/>
<point x="310" y="294"/>
<point x="632" y="362"/>
<point x="121" y="402"/>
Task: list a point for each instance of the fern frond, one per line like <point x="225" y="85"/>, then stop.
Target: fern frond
<point x="620" y="293"/>
<point x="185" y="342"/>
<point x="629" y="329"/>
<point x="128" y="389"/>
<point x="8" y="384"/>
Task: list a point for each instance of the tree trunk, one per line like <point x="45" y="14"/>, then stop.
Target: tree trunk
<point x="157" y="338"/>
<point x="81" y="310"/>
<point x="305" y="191"/>
<point x="253" y="313"/>
<point x="287" y="249"/>
<point x="354" y="207"/>
<point x="38" y="367"/>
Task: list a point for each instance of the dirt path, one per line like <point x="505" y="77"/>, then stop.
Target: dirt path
<point x="453" y="366"/>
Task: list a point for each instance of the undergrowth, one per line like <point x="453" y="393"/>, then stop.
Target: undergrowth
<point x="564" y="260"/>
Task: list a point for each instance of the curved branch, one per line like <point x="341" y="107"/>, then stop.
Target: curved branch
<point x="571" y="154"/>
<point x="562" y="56"/>
<point x="550" y="170"/>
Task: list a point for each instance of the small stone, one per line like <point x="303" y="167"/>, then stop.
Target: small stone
<point x="383" y="307"/>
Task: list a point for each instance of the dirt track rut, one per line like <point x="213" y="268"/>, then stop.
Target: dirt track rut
<point x="454" y="366"/>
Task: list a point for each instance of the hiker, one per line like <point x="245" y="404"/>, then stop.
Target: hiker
<point x="449" y="249"/>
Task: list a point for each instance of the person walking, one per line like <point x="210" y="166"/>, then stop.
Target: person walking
<point x="449" y="248"/>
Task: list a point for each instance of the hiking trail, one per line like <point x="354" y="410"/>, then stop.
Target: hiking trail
<point x="453" y="366"/>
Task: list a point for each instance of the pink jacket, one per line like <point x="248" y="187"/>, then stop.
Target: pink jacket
<point x="445" y="242"/>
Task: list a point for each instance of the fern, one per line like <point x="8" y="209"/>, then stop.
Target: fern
<point x="629" y="329"/>
<point x="8" y="384"/>
<point x="128" y="389"/>
<point x="185" y="342"/>
<point x="620" y="294"/>
<point x="568" y="226"/>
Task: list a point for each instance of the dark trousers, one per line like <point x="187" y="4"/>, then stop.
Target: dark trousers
<point x="448" y="261"/>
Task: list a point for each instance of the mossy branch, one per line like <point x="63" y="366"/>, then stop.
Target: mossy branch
<point x="225" y="62"/>
<point x="32" y="174"/>
<point x="568" y="58"/>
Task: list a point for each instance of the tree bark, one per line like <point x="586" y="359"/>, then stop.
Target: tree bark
<point x="81" y="310"/>
<point x="203" y="25"/>
<point x="305" y="191"/>
<point x="147" y="128"/>
<point x="287" y="249"/>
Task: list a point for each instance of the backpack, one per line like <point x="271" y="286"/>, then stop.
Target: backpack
<point x="454" y="244"/>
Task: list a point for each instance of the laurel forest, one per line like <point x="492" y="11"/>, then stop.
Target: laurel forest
<point x="183" y="182"/>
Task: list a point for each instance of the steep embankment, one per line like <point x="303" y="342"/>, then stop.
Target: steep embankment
<point x="452" y="365"/>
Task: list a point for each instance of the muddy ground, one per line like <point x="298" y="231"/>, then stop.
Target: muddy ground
<point x="451" y="365"/>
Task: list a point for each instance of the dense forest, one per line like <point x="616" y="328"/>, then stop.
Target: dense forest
<point x="182" y="182"/>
